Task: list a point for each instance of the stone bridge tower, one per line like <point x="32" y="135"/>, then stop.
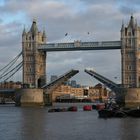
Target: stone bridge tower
<point x="34" y="61"/>
<point x="130" y="37"/>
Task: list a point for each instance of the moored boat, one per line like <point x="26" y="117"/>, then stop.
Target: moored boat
<point x="133" y="112"/>
<point x="105" y="113"/>
<point x="72" y="108"/>
<point x="57" y="110"/>
<point x="87" y="108"/>
<point x="100" y="106"/>
<point x="51" y="110"/>
<point x="94" y="106"/>
<point x="119" y="114"/>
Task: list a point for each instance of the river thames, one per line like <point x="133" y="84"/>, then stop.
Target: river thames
<point x="18" y="123"/>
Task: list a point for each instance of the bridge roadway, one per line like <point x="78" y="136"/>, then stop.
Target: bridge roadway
<point x="3" y="91"/>
<point x="117" y="88"/>
<point x="78" y="45"/>
<point x="110" y="84"/>
<point x="7" y="93"/>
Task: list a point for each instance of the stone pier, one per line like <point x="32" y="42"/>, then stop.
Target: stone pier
<point x="132" y="97"/>
<point x="30" y="97"/>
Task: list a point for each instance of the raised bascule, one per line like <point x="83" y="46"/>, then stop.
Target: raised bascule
<point x="34" y="52"/>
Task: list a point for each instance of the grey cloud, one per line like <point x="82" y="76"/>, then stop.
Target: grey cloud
<point x="80" y="24"/>
<point x="127" y="10"/>
<point x="134" y="2"/>
<point x="1" y="21"/>
<point x="10" y="42"/>
<point x="102" y="20"/>
<point x="97" y="1"/>
<point x="10" y="34"/>
<point x="98" y="60"/>
<point x="128" y="6"/>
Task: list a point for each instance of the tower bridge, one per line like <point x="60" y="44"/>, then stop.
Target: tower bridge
<point x="34" y="53"/>
<point x="78" y="45"/>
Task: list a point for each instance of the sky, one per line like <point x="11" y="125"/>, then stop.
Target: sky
<point x="101" y="18"/>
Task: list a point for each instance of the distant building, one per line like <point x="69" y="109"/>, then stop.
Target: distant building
<point x="11" y="85"/>
<point x="99" y="92"/>
<point x="73" y="83"/>
<point x="78" y="85"/>
<point x="53" y="77"/>
<point x="65" y="90"/>
<point x="67" y="83"/>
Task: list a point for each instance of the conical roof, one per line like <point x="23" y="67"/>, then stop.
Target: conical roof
<point x="34" y="28"/>
<point x="131" y="22"/>
<point x="24" y="31"/>
<point x="44" y="34"/>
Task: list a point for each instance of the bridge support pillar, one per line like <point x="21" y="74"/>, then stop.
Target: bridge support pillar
<point x="132" y="97"/>
<point x="30" y="97"/>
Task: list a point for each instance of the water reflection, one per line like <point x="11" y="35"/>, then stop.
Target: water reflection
<point x="33" y="124"/>
<point x="38" y="124"/>
<point x="130" y="129"/>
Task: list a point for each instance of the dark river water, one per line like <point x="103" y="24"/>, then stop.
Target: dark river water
<point x="18" y="123"/>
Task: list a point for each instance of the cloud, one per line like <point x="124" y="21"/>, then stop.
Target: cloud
<point x="1" y="21"/>
<point x="128" y="7"/>
<point x="98" y="60"/>
<point x="102" y="19"/>
<point x="10" y="43"/>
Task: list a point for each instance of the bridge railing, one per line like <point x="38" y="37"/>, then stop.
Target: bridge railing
<point x="81" y="45"/>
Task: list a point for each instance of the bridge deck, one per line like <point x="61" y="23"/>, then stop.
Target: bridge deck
<point x="78" y="45"/>
<point x="61" y="79"/>
<point x="112" y="85"/>
<point x="6" y="91"/>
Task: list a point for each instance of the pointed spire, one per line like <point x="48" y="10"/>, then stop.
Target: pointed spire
<point x="123" y="28"/>
<point x="136" y="25"/>
<point x="34" y="29"/>
<point x="24" y="31"/>
<point x="44" y="34"/>
<point x="131" y="22"/>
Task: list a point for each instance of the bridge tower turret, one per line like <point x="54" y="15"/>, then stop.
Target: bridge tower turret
<point x="130" y="37"/>
<point x="34" y="61"/>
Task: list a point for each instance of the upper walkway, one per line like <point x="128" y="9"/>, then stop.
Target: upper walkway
<point x="78" y="45"/>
